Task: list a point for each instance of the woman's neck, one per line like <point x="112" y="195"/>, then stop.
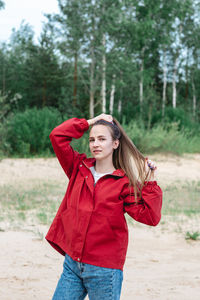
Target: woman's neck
<point x="104" y="166"/>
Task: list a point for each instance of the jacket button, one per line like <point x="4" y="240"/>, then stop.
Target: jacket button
<point x="81" y="165"/>
<point x="86" y="177"/>
<point x="78" y="259"/>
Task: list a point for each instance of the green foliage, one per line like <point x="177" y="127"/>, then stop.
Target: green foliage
<point x="28" y="132"/>
<point x="82" y="145"/>
<point x="192" y="235"/>
<point x="64" y="71"/>
<point x="162" y="138"/>
<point x="8" y="104"/>
<point x="31" y="70"/>
<point x="177" y="115"/>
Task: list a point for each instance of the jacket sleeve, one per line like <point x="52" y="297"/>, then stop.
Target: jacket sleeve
<point x="147" y="208"/>
<point x="61" y="137"/>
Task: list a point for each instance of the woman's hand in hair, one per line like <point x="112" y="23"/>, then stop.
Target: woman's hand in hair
<point x="104" y="117"/>
<point x="150" y="169"/>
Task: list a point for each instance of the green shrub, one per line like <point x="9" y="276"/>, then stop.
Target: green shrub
<point x="82" y="145"/>
<point x="4" y="145"/>
<point x="179" y="116"/>
<point x="163" y="138"/>
<point x="28" y="132"/>
<point x="192" y="235"/>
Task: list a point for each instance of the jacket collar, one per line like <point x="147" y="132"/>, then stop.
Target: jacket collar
<point x="90" y="162"/>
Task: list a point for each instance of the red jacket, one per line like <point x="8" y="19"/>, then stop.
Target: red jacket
<point x="90" y="225"/>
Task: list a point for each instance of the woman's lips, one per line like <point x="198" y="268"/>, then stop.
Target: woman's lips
<point x="96" y="151"/>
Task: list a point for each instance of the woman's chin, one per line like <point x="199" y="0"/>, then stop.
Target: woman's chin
<point x="97" y="156"/>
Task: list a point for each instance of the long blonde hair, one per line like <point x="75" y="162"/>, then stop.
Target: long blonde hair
<point x="127" y="157"/>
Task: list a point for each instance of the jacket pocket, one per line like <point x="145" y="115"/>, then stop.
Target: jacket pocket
<point x="119" y="226"/>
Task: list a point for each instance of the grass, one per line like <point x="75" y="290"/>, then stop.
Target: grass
<point x="37" y="203"/>
<point x="21" y="215"/>
<point x="182" y="199"/>
<point x="179" y="199"/>
<point x="192" y="235"/>
<point x="43" y="217"/>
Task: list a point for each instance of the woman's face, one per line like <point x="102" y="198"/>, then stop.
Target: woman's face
<point x="101" y="143"/>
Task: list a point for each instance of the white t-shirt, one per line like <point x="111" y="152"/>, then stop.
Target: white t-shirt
<point x="97" y="175"/>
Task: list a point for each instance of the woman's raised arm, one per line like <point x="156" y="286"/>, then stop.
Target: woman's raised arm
<point x="61" y="137"/>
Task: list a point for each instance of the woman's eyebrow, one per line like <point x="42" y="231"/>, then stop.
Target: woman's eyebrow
<point x="99" y="136"/>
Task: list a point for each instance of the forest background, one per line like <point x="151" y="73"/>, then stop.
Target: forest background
<point x="137" y="60"/>
<point x="140" y="62"/>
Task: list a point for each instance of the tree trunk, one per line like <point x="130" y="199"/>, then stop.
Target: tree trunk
<point x="75" y="79"/>
<point x="141" y="78"/>
<point x="103" y="87"/>
<point x="119" y="109"/>
<point x="194" y="106"/>
<point x="91" y="104"/>
<point x="141" y="84"/>
<point x="112" y="93"/>
<point x="174" y="81"/>
<point x="164" y="84"/>
<point x="92" y="83"/>
<point x="186" y="77"/>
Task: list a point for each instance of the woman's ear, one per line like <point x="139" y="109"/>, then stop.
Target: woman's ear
<point x="116" y="144"/>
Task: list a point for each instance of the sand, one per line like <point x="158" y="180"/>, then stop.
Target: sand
<point x="160" y="263"/>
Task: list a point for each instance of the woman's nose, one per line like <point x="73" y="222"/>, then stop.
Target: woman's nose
<point x="96" y="143"/>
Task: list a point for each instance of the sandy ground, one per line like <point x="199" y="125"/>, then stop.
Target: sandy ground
<point x="160" y="263"/>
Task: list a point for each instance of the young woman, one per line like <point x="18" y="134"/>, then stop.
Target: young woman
<point x="90" y="228"/>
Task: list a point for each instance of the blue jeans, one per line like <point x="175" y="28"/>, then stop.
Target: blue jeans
<point x="80" y="279"/>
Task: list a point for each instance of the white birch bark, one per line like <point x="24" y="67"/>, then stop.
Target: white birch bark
<point x="141" y="78"/>
<point x="112" y="93"/>
<point x="119" y="108"/>
<point x="164" y="83"/>
<point x="92" y="83"/>
<point x="103" y="87"/>
<point x="141" y="83"/>
<point x="174" y="82"/>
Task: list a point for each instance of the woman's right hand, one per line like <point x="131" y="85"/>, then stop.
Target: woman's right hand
<point x="104" y="117"/>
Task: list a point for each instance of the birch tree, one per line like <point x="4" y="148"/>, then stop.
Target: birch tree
<point x="103" y="87"/>
<point x="190" y="40"/>
<point x="102" y="17"/>
<point x="112" y="93"/>
<point x="71" y="34"/>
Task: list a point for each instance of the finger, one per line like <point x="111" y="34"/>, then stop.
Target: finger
<point x="153" y="168"/>
<point x="109" y="118"/>
<point x="151" y="165"/>
<point x="106" y="117"/>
